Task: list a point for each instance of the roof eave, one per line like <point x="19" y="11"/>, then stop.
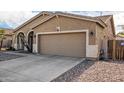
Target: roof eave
<point x="88" y="19"/>
<point x="31" y="19"/>
<point x="100" y="22"/>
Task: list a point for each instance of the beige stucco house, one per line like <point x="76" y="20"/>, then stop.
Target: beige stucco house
<point x="8" y="36"/>
<point x="58" y="33"/>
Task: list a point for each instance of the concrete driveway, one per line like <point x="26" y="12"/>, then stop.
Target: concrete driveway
<point x="34" y="68"/>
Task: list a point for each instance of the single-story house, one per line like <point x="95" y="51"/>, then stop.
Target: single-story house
<point x="8" y="36"/>
<point x="59" y="33"/>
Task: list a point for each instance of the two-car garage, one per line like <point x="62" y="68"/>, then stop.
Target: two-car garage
<point x="61" y="34"/>
<point x="62" y="43"/>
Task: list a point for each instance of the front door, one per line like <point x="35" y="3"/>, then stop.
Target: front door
<point x="20" y="38"/>
<point x="30" y="40"/>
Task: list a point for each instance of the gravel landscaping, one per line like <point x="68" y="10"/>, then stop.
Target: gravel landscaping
<point x="74" y="72"/>
<point x="7" y="56"/>
<point x="103" y="72"/>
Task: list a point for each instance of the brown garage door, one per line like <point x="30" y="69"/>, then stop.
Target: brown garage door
<point x="67" y="44"/>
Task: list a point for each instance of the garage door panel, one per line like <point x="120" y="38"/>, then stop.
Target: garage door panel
<point x="71" y="44"/>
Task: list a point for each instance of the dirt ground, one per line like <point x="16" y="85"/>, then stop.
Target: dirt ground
<point x="103" y="71"/>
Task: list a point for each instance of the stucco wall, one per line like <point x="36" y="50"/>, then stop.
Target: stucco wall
<point x="65" y="24"/>
<point x="25" y="29"/>
<point x="28" y="27"/>
<point x="102" y="39"/>
<point x="109" y="30"/>
<point x="48" y="26"/>
<point x="99" y="36"/>
<point x="7" y="42"/>
<point x="74" y="24"/>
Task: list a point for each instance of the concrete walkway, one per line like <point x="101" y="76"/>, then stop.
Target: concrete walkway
<point x="34" y="68"/>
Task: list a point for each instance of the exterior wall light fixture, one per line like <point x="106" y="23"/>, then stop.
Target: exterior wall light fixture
<point x="91" y="33"/>
<point x="58" y="28"/>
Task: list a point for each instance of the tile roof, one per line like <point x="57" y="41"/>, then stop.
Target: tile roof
<point x="99" y="19"/>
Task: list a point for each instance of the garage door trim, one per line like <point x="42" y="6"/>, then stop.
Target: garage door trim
<point x="62" y="32"/>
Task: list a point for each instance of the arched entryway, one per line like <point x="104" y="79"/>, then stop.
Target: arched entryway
<point x="20" y="39"/>
<point x="30" y="40"/>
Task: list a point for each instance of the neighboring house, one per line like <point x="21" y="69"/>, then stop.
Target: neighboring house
<point x="65" y="34"/>
<point x="119" y="38"/>
<point x="7" y="41"/>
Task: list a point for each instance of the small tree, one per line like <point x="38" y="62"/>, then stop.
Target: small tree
<point x="2" y="35"/>
<point x="121" y="34"/>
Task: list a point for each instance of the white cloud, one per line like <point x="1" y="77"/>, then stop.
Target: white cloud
<point x="15" y="18"/>
<point x="119" y="18"/>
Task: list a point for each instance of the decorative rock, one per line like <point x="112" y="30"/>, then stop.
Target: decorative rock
<point x="73" y="72"/>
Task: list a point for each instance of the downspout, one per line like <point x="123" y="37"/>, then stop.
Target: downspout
<point x="58" y="28"/>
